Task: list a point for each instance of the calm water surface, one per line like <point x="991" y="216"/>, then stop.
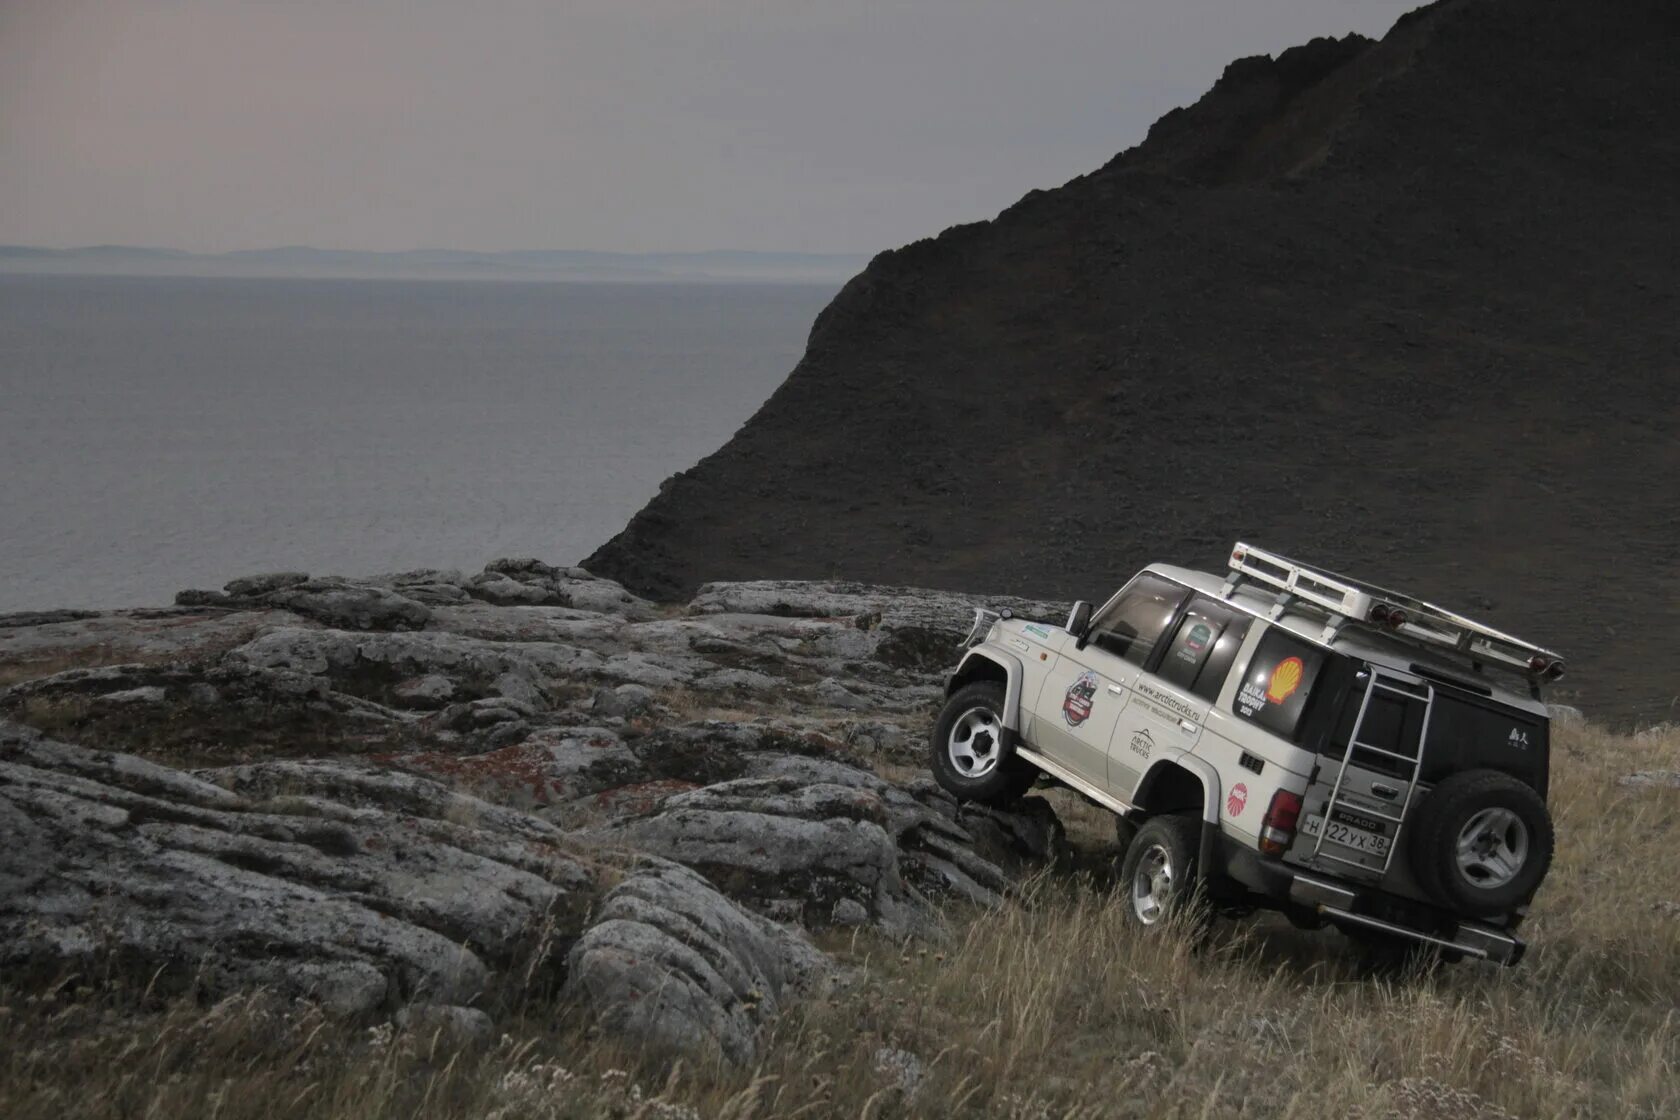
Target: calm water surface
<point x="157" y="434"/>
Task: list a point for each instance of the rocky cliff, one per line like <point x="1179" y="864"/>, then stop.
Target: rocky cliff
<point x="1405" y="308"/>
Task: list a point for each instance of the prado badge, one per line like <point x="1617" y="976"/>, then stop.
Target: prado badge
<point x="1081" y="695"/>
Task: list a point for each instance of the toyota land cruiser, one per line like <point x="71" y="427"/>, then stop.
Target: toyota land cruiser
<point x="1280" y="737"/>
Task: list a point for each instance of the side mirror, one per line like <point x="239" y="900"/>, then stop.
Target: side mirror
<point x="1079" y="618"/>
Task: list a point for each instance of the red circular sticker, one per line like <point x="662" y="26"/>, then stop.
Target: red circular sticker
<point x="1237" y="800"/>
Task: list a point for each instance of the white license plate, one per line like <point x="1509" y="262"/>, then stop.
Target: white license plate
<point x="1359" y="839"/>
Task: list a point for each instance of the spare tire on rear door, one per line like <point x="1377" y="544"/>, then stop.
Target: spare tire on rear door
<point x="1481" y="842"/>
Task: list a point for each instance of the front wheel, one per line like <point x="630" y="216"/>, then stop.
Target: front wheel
<point x="970" y="757"/>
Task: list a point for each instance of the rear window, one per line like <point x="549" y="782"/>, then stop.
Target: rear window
<point x="1393" y="722"/>
<point x="1279" y="683"/>
<point x="1199" y="656"/>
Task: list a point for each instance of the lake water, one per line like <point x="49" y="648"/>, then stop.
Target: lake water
<point x="157" y="434"/>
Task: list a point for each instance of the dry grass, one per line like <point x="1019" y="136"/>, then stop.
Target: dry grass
<point x="13" y="671"/>
<point x="1047" y="1008"/>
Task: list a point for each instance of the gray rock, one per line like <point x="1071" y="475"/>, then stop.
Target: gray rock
<point x="349" y="606"/>
<point x="1027" y="832"/>
<point x="198" y="597"/>
<point x="901" y="1069"/>
<point x="533" y="582"/>
<point x="519" y="686"/>
<point x="502" y="591"/>
<point x="141" y="635"/>
<point x="147" y="694"/>
<point x="822" y="831"/>
<point x="738" y="680"/>
<point x="848" y="912"/>
<point x="16" y="619"/>
<point x="623" y="701"/>
<point x="836" y="695"/>
<point x="653" y="670"/>
<point x="249" y="587"/>
<point x="343" y="657"/>
<point x="432" y="690"/>
<point x="914" y="628"/>
<point x="358" y="888"/>
<point x="543" y="771"/>
<point x="1566" y="715"/>
<point x="673" y="965"/>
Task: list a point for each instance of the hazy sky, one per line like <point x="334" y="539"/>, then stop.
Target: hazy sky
<point x="596" y="124"/>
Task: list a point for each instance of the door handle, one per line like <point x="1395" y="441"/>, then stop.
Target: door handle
<point x="1116" y="689"/>
<point x="1187" y="725"/>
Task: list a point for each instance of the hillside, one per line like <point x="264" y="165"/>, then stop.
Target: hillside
<point x="517" y="844"/>
<point x="1402" y="307"/>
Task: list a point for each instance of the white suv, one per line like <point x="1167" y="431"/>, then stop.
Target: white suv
<point x="1281" y="737"/>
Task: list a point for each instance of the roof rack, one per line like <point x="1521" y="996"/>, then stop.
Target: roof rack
<point x="1349" y="601"/>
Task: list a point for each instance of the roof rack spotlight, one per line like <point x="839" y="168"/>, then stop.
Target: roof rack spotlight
<point x="1551" y="668"/>
<point x="1385" y="614"/>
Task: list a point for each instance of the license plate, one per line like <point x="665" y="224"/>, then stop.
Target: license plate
<point x="1359" y="839"/>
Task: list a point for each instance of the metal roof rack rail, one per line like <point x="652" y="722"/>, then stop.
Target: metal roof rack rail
<point x="1350" y="601"/>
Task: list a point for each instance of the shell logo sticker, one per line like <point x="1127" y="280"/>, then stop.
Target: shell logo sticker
<point x="1286" y="678"/>
<point x="1237" y="801"/>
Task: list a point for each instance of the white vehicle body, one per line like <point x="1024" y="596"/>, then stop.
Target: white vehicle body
<point x="1229" y="696"/>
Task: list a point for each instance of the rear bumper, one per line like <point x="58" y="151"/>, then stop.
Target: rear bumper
<point x="1349" y="904"/>
<point x="1337" y="903"/>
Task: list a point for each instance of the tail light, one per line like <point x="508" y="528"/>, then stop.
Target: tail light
<point x="1277" y="830"/>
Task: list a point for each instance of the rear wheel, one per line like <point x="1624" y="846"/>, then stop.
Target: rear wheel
<point x="970" y="757"/>
<point x="1158" y="873"/>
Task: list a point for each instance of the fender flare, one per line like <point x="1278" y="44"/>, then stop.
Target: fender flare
<point x="1211" y="792"/>
<point x="1013" y="673"/>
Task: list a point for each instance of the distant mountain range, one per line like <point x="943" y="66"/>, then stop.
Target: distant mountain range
<point x="444" y="264"/>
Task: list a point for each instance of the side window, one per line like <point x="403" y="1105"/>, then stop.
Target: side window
<point x="1278" y="683"/>
<point x="1200" y="653"/>
<point x="1131" y="627"/>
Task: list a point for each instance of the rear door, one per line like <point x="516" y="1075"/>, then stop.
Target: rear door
<point x="1087" y="687"/>
<point x="1170" y="695"/>
<point x="1388" y="709"/>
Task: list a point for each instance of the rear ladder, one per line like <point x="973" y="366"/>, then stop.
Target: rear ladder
<point x="1411" y="762"/>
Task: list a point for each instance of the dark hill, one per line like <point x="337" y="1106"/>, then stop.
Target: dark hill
<point x="1409" y="308"/>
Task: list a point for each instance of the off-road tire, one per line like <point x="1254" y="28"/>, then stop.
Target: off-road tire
<point x="1444" y="818"/>
<point x="1176" y="838"/>
<point x="1003" y="783"/>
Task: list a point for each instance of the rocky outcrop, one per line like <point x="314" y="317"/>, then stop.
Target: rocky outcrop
<point x="360" y="889"/>
<point x="823" y="843"/>
<point x="402" y="795"/>
<point x="673" y="963"/>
